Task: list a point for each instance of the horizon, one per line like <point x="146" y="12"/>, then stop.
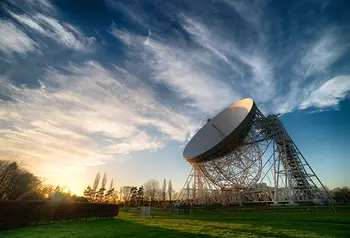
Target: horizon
<point x="119" y="87"/>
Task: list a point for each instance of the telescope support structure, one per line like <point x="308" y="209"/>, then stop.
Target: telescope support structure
<point x="262" y="165"/>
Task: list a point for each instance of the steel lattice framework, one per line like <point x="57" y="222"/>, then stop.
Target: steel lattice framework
<point x="262" y="164"/>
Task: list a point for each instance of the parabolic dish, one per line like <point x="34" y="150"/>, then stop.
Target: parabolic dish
<point x="220" y="131"/>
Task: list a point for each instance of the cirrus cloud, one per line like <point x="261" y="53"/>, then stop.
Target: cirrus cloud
<point x="90" y="117"/>
<point x="71" y="99"/>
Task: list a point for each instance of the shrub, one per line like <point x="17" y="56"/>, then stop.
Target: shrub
<point x="16" y="214"/>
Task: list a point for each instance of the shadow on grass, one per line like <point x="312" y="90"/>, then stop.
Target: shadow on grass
<point x="107" y="228"/>
<point x="195" y="225"/>
<point x="228" y="227"/>
<point x="336" y="226"/>
<point x="126" y="228"/>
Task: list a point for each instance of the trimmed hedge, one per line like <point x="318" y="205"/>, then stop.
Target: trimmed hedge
<point x="16" y="214"/>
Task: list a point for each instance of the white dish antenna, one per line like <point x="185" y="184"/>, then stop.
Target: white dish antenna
<point x="219" y="131"/>
<point x="241" y="156"/>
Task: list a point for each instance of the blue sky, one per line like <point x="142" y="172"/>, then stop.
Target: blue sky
<point x="121" y="86"/>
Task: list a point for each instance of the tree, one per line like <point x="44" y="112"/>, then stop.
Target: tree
<point x="110" y="196"/>
<point x="24" y="183"/>
<point x="104" y="181"/>
<point x="7" y="169"/>
<point x="151" y="189"/>
<point x="110" y="193"/>
<point x="95" y="194"/>
<point x="8" y="175"/>
<point x="170" y="190"/>
<point x="95" y="185"/>
<point x="175" y="195"/>
<point x="341" y="194"/>
<point x="88" y="193"/>
<point x="100" y="193"/>
<point x="32" y="195"/>
<point x="164" y="190"/>
<point x="58" y="189"/>
<point x="17" y="183"/>
<point x="120" y="194"/>
<point x="126" y="194"/>
<point x="46" y="190"/>
<point x="133" y="196"/>
<point x="111" y="185"/>
<point x="140" y="196"/>
<point x="59" y="195"/>
<point x="114" y="196"/>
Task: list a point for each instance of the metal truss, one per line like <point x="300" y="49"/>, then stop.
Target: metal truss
<point x="263" y="164"/>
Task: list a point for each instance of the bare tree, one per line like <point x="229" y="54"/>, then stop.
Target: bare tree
<point x="127" y="193"/>
<point x="170" y="190"/>
<point x="175" y="195"/>
<point x="164" y="190"/>
<point x="151" y="189"/>
<point x="120" y="193"/>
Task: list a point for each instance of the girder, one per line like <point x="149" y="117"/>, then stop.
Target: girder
<point x="262" y="164"/>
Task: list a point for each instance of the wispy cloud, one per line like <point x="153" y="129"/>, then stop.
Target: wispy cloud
<point x="323" y="52"/>
<point x="181" y="70"/>
<point x="130" y="11"/>
<point x="35" y="5"/>
<point x="38" y="18"/>
<point x="279" y="81"/>
<point x="12" y="39"/>
<point x="141" y="141"/>
<point x="252" y="12"/>
<point x="251" y="64"/>
<point x="329" y="94"/>
<point x="314" y="69"/>
<point x="64" y="33"/>
<point x="146" y="88"/>
<point x="92" y="116"/>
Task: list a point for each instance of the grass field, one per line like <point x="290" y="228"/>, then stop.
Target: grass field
<point x="217" y="223"/>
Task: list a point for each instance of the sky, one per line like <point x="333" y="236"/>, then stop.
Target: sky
<point x="121" y="86"/>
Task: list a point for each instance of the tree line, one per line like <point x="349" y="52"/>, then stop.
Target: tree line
<point x="17" y="183"/>
<point x="149" y="193"/>
<point x="99" y="193"/>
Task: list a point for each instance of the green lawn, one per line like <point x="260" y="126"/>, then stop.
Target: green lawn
<point x="210" y="224"/>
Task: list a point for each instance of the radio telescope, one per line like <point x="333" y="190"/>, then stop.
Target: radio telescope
<point x="241" y="156"/>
